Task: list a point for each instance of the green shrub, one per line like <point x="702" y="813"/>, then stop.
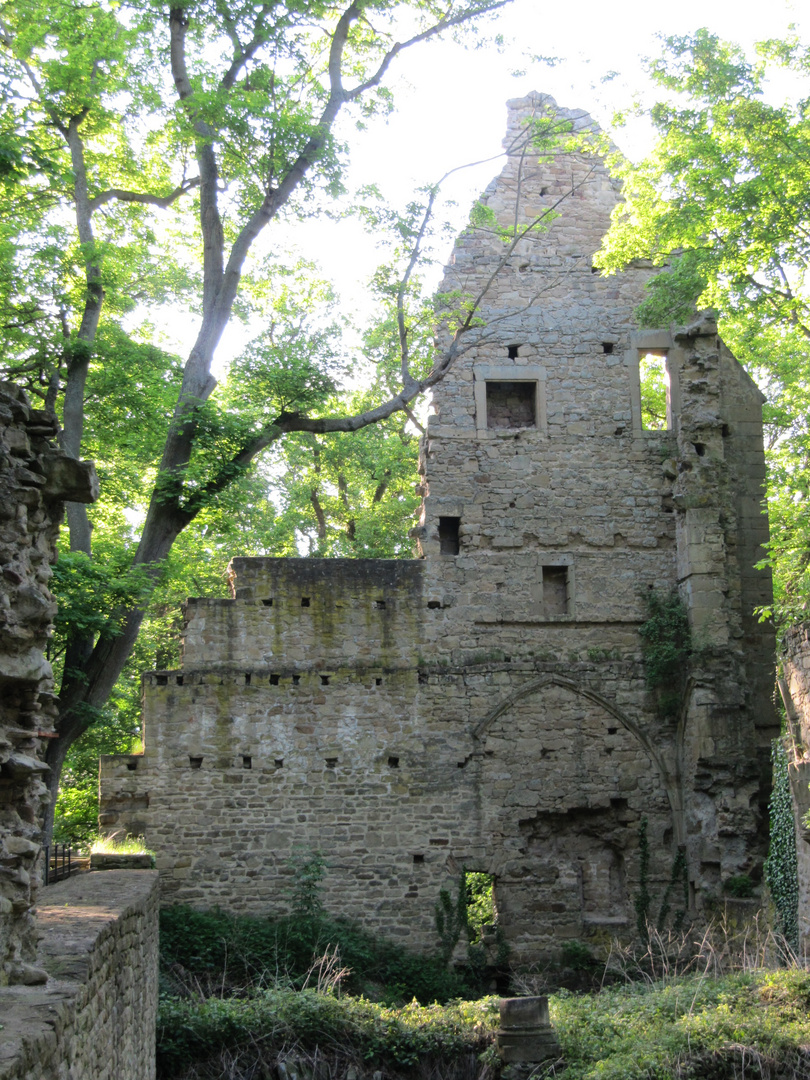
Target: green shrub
<point x="191" y="1031"/>
<point x="741" y="1025"/>
<point x="666" y="645"/>
<point x="577" y="956"/>
<point x="241" y="951"/>
<point x="739" y="886"/>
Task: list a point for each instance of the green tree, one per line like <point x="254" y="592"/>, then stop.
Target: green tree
<point x="225" y="115"/>
<point x="144" y="154"/>
<point x="721" y="204"/>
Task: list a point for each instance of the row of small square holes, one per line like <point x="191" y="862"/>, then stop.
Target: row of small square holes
<point x="306" y="602"/>
<point x="163" y="680"/>
<point x="247" y="762"/>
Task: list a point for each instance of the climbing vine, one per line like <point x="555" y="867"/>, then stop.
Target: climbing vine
<point x="666" y="645"/>
<point x="781" y="871"/>
<point x="678" y="880"/>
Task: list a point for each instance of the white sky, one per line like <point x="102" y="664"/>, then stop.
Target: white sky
<point x="451" y="102"/>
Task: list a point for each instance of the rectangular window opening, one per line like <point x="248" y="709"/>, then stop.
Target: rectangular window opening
<point x="296" y="679"/>
<point x="304" y="601"/>
<point x="393" y="762"/>
<point x="195" y="762"/>
<point x="653" y="378"/>
<point x="279" y="762"/>
<point x="482" y="911"/>
<point x="274" y="680"/>
<point x="324" y="680"/>
<point x="555" y="590"/>
<point x="512" y="404"/>
<point x="247" y="678"/>
<point x="449" y="535"/>
<point x="179" y="680"/>
<point x="247" y="761"/>
<point x="268" y="602"/>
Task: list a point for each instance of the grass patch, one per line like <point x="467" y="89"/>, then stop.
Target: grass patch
<point x="116" y="845"/>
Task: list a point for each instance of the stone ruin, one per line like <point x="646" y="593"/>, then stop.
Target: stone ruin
<point x="78" y="966"/>
<point x="35" y="480"/>
<point x="483" y="707"/>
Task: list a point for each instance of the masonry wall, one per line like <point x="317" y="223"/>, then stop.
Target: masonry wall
<point x="95" y="1017"/>
<point x="35" y="479"/>
<point x="485" y="706"/>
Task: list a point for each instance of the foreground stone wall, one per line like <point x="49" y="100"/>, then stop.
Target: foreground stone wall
<point x="95" y="1017"/>
<point x="35" y="480"/>
<point x="485" y="707"/>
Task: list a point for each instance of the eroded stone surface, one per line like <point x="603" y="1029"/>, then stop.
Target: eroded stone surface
<point x="35" y="479"/>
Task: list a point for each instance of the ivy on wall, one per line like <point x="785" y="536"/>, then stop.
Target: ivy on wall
<point x="781" y="869"/>
<point x="666" y="645"/>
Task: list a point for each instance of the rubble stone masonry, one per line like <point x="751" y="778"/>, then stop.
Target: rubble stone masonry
<point x="35" y="480"/>
<point x="94" y="1019"/>
<point x="484" y="707"/>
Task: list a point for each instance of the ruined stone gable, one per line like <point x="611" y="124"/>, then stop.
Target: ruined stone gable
<point x="484" y="707"/>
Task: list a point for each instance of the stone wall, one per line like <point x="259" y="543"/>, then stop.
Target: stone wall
<point x="485" y="707"/>
<point x="95" y="1017"/>
<point x="35" y="479"/>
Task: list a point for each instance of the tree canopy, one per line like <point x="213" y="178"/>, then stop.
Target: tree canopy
<point x="144" y="151"/>
<point x="722" y="204"/>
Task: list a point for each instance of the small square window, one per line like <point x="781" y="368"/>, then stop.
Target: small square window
<point x="511" y="404"/>
<point x="555" y="590"/>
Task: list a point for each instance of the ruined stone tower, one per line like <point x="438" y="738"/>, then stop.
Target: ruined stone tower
<point x="484" y="707"/>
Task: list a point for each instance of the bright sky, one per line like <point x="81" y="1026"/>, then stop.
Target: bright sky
<point x="451" y="102"/>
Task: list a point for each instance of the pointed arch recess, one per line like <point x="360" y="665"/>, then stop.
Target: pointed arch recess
<point x="544" y="681"/>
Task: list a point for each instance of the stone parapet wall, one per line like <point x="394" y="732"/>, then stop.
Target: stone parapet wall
<point x="95" y="1017"/>
<point x="35" y="480"/>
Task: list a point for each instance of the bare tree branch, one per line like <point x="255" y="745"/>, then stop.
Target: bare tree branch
<point x="163" y="201"/>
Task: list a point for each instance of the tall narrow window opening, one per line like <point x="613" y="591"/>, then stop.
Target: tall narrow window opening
<point x="448" y="535"/>
<point x="555" y="590"/>
<point x="482" y="911"/>
<point x="653" y="377"/>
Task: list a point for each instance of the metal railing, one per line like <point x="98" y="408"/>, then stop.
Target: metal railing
<point x="59" y="863"/>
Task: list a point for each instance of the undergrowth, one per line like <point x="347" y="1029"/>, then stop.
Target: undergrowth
<point x="347" y="1032"/>
<point x="753" y="1025"/>
<point x="219" y="953"/>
